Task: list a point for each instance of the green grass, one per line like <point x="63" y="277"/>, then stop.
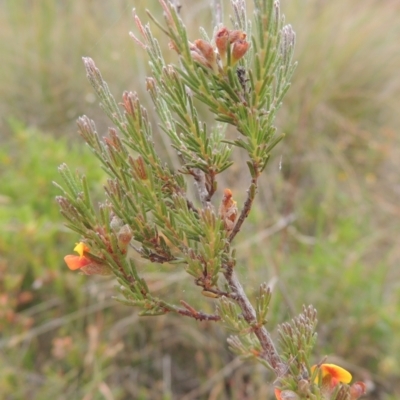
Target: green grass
<point x="62" y="336"/>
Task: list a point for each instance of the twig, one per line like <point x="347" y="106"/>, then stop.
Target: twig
<point x="191" y="206"/>
<point x="269" y="353"/>
<point x="189" y="311"/>
<point x="201" y="184"/>
<point x="246" y="208"/>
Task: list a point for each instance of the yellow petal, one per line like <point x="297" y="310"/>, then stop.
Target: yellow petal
<point x="336" y="372"/>
<point x="80" y="248"/>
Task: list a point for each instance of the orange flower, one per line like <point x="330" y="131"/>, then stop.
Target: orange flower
<point x="76" y="262"/>
<point x="86" y="265"/>
<point x="332" y="374"/>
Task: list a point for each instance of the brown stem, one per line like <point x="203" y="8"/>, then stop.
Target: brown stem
<point x="238" y="294"/>
<point x="246" y="208"/>
<point x="191" y="206"/>
<point x="269" y="352"/>
<point x="189" y="311"/>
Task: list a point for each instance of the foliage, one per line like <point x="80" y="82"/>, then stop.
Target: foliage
<point x="147" y="208"/>
<point x="334" y="174"/>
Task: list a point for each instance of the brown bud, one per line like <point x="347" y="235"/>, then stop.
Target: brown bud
<point x="357" y="389"/>
<point x="139" y="168"/>
<point x="124" y="237"/>
<point x="129" y="102"/>
<point x="235" y="36"/>
<point x="151" y="84"/>
<point x="228" y="210"/>
<point x="206" y="50"/>
<point x="222" y="41"/>
<point x="239" y="49"/>
<point x="199" y="58"/>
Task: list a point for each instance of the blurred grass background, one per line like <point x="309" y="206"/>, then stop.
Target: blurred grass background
<point x="325" y="229"/>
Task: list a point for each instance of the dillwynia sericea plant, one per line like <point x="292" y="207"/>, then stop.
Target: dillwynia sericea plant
<point x="241" y="74"/>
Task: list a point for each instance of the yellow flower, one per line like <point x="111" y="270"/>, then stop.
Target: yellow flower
<point x="85" y="264"/>
<point x="332" y="374"/>
<point x="76" y="262"/>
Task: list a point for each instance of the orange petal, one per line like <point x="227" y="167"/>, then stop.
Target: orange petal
<point x="278" y="394"/>
<point x="336" y="372"/>
<point x="75" y="262"/>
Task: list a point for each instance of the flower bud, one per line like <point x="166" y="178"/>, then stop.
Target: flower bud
<point x="151" y="84"/>
<point x="207" y="51"/>
<point x="139" y="168"/>
<point x="228" y="210"/>
<point x="235" y="36"/>
<point x="239" y="49"/>
<point x="357" y="389"/>
<point x="222" y="42"/>
<point x="199" y="58"/>
<point x="124" y="237"/>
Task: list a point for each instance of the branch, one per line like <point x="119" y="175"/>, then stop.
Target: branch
<point x="201" y="184"/>
<point x="269" y="352"/>
<point x="189" y="311"/>
<point x="251" y="191"/>
<point x="191" y="206"/>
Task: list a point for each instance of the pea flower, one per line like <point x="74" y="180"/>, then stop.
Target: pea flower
<point x="76" y="262"/>
<point x="332" y="375"/>
<point x="328" y="377"/>
<point x="86" y="265"/>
